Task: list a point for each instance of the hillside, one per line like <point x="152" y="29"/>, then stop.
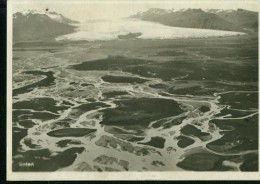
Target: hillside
<point x="235" y="20"/>
<point x="36" y="26"/>
<point x="243" y="18"/>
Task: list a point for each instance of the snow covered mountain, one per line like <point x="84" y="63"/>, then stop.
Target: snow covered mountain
<point x="34" y="25"/>
<point x="53" y="15"/>
<point x="230" y="20"/>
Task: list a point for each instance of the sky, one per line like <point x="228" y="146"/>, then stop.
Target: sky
<point x="110" y="9"/>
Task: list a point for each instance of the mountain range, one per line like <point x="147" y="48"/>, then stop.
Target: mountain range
<point x="229" y="20"/>
<point x="33" y="25"/>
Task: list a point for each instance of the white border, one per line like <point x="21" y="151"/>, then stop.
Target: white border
<point x="50" y="176"/>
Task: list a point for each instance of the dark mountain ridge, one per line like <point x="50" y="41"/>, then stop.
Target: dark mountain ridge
<point x="36" y="26"/>
<point x="229" y="20"/>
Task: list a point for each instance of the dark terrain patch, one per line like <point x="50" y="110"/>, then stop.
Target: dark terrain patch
<point x="135" y="139"/>
<point x="204" y="109"/>
<point x="130" y="36"/>
<point x="158" y="86"/>
<point x="243" y="135"/>
<point x="43" y="161"/>
<point x="172" y="53"/>
<point x="140" y="111"/>
<point x="193" y="131"/>
<point x="110" y="63"/>
<point x="48" y="81"/>
<point x="204" y="162"/>
<point x="250" y="163"/>
<point x="22" y="115"/>
<point x="229" y="52"/>
<point x="71" y="132"/>
<point x="86" y="84"/>
<point x="168" y="123"/>
<point x="233" y="113"/>
<point x="91" y="106"/>
<point x="17" y="135"/>
<point x="240" y="100"/>
<point x="157" y="142"/>
<point x="208" y="87"/>
<point x="106" y="141"/>
<point x="114" y="94"/>
<point x="39" y="104"/>
<point x="184" y="141"/>
<point x="65" y="143"/>
<point x="123" y="79"/>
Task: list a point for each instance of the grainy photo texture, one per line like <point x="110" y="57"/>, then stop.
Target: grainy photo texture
<point x="134" y="86"/>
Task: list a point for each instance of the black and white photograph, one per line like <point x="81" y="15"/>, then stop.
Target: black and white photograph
<point x="123" y="87"/>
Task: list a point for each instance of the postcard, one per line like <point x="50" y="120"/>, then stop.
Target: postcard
<point x="132" y="90"/>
